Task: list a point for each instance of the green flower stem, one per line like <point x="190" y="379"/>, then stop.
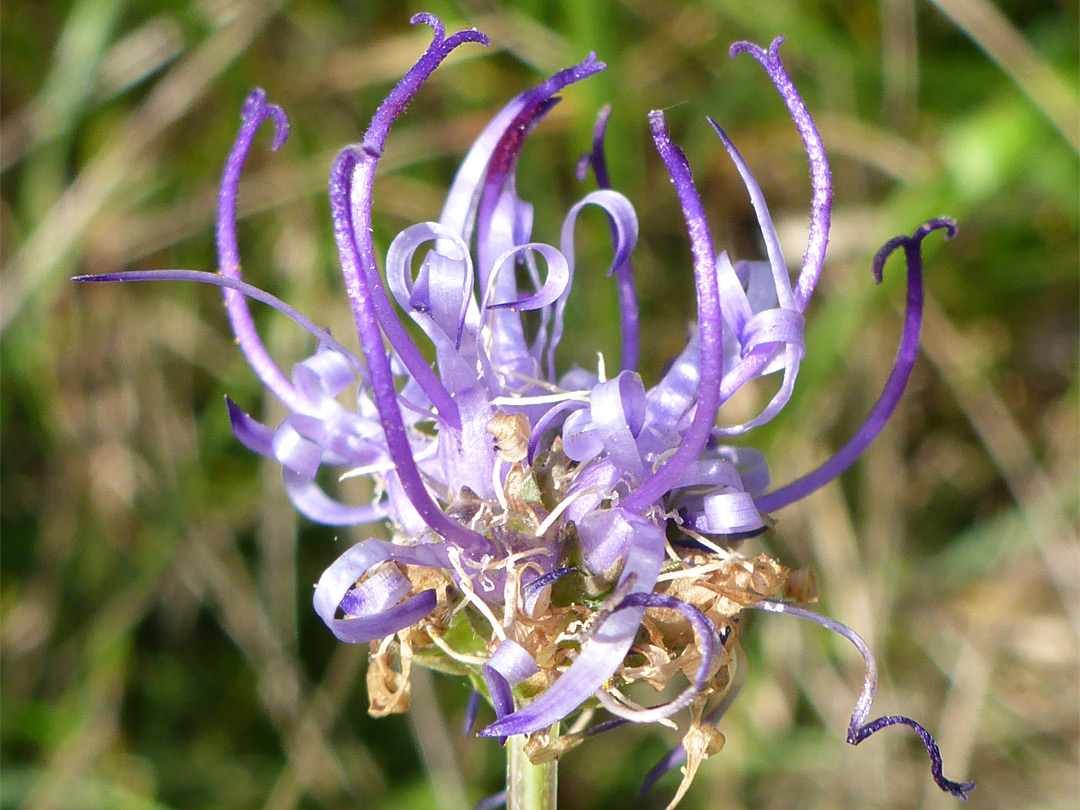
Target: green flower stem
<point x="528" y="786"/>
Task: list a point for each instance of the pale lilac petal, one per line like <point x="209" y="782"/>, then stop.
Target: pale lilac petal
<point x="314" y="504"/>
<point x="555" y="286"/>
<point x="821" y="202"/>
<point x="581" y="441"/>
<point x="342" y="575"/>
<point x="704" y="633"/>
<point x="734" y="302"/>
<point x="624" y="272"/>
<point x="325" y="374"/>
<point x="508" y="666"/>
<point x="444" y="290"/>
<point x="617" y="413"/>
<point x="765" y="223"/>
<point x="297" y="454"/>
<point x="624" y="229"/>
<point x="731" y="512"/>
<point x="381" y="590"/>
<point x="674" y="395"/>
<point x="546" y="421"/>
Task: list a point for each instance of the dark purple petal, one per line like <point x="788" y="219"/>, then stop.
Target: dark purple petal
<point x="894" y="386"/>
<point x="859" y="729"/>
<point x="502" y="697"/>
<point x="530" y="591"/>
<point x="595" y="159"/>
<point x="255" y="111"/>
<point x="534" y="104"/>
<point x="958" y="789"/>
<point x="821" y="202"/>
<point x="254" y="435"/>
<point x="710" y="322"/>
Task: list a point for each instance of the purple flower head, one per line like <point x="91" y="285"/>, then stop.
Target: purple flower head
<point x="555" y="536"/>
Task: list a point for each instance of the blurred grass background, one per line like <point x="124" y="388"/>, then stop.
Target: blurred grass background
<point x="158" y="646"/>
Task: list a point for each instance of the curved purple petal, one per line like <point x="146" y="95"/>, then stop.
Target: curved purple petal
<point x="295" y="453"/>
<point x="548" y="419"/>
<point x="624" y="272"/>
<point x="765" y="223"/>
<point x="254" y="112"/>
<point x="508" y="666"/>
<point x="710" y="320"/>
<point x="323" y="375"/>
<point x="342" y="575"/>
<point x="706" y="637"/>
<point x="605" y="649"/>
<point x="382" y="590"/>
<point x="624" y="232"/>
<point x="314" y="504"/>
<point x="821" y="202"/>
<point x="534" y="104"/>
<point x="444" y="289"/>
<point x="555" y="285"/>
<point x="894" y="386"/>
<point x="734" y="301"/>
<point x="352" y="220"/>
<point x="218" y="280"/>
<point x="859" y="729"/>
<point x="363" y="301"/>
<point x="253" y="434"/>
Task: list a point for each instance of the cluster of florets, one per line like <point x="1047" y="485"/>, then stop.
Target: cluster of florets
<point x="555" y="537"/>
